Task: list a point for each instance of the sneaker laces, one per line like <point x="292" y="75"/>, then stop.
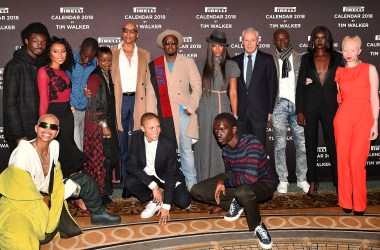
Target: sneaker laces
<point x="263" y="233"/>
<point x="232" y="207"/>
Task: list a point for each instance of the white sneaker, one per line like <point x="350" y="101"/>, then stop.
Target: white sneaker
<point x="303" y="185"/>
<point x="150" y="210"/>
<point x="283" y="187"/>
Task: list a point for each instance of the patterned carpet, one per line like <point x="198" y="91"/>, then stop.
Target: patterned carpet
<point x="294" y="223"/>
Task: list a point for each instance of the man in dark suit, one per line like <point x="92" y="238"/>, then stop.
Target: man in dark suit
<point x="257" y="85"/>
<point x="152" y="165"/>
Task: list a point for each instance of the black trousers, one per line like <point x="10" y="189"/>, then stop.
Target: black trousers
<point x="311" y="143"/>
<point x="248" y="196"/>
<point x="258" y="129"/>
<point x="181" y="196"/>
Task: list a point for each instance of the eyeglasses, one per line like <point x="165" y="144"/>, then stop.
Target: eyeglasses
<point x="169" y="42"/>
<point x="129" y="31"/>
<point x="48" y="125"/>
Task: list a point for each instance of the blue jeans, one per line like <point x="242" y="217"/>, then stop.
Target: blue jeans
<point x="127" y="121"/>
<point x="284" y="114"/>
<point x="186" y="152"/>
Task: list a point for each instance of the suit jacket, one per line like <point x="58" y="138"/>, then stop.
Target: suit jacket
<point x="166" y="164"/>
<point x="185" y="88"/>
<point x="317" y="95"/>
<point x="296" y="67"/>
<point x="142" y="79"/>
<point x="259" y="98"/>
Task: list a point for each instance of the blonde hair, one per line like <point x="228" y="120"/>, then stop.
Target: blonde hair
<point x="356" y="39"/>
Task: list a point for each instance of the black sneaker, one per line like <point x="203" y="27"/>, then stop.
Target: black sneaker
<point x="262" y="233"/>
<point x="235" y="211"/>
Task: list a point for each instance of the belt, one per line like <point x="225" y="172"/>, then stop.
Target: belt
<point x="129" y="93"/>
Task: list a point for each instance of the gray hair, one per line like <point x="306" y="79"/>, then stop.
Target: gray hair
<point x="250" y="29"/>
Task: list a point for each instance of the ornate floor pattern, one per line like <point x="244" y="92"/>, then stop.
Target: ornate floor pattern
<point x="293" y="223"/>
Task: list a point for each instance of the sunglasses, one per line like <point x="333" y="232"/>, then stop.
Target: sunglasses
<point x="48" y="125"/>
<point x="169" y="42"/>
<point x="130" y="31"/>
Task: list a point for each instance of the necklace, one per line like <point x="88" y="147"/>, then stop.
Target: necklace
<point x="44" y="159"/>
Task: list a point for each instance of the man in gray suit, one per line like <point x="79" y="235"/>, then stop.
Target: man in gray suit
<point x="287" y="63"/>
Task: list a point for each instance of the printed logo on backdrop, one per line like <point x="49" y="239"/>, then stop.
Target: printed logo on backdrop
<point x="285" y="17"/>
<point x="7" y="20"/>
<point x="72" y="18"/>
<point x="1" y="78"/>
<point x="189" y="48"/>
<point x="353" y="17"/>
<point x="149" y="17"/>
<point x="3" y="142"/>
<point x="239" y="45"/>
<point x="216" y="18"/>
<point x="374" y="156"/>
<point x="306" y="44"/>
<point x="374" y="46"/>
<point x="109" y="41"/>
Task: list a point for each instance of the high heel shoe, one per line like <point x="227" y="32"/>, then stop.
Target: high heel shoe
<point x="313" y="190"/>
<point x="358" y="213"/>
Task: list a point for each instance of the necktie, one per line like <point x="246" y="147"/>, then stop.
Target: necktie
<point x="248" y="72"/>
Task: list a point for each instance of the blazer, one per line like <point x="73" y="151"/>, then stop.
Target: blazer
<point x="166" y="164"/>
<point x="259" y="98"/>
<point x="142" y="79"/>
<point x="185" y="88"/>
<point x="296" y="67"/>
<point x="317" y="95"/>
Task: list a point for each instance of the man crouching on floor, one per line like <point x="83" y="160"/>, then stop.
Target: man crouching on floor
<point x="153" y="164"/>
<point x="247" y="181"/>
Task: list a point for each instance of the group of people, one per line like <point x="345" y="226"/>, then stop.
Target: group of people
<point x="117" y="114"/>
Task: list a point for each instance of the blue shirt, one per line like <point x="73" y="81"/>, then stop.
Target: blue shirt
<point x="78" y="77"/>
<point x="170" y="66"/>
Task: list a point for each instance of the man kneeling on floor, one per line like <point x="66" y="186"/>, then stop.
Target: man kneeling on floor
<point x="153" y="164"/>
<point x="247" y="181"/>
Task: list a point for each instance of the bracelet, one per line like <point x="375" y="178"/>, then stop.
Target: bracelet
<point x="103" y="124"/>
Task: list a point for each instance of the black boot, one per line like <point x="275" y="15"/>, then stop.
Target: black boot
<point x="106" y="200"/>
<point x="105" y="218"/>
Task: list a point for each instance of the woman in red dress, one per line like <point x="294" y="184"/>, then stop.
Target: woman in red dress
<point x="355" y="124"/>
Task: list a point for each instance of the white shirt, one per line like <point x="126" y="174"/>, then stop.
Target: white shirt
<point x="287" y="86"/>
<point x="128" y="70"/>
<point x="150" y="153"/>
<point x="26" y="158"/>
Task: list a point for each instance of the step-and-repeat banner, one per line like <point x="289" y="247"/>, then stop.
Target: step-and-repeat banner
<point x="195" y="20"/>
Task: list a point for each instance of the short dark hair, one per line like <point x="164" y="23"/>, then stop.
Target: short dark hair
<point x="103" y="49"/>
<point x="329" y="38"/>
<point x="90" y="44"/>
<point x="231" y="120"/>
<point x="148" y="116"/>
<point x="34" y="28"/>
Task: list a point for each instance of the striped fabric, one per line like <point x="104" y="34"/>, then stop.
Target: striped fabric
<point x="248" y="161"/>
